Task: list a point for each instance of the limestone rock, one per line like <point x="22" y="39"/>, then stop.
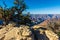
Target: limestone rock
<point x="51" y="35"/>
<point x="9" y="32"/>
<point x="26" y="32"/>
<point x="16" y="33"/>
<point x="42" y="33"/>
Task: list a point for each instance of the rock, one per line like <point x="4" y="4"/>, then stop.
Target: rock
<point x="36" y="27"/>
<point x="29" y="38"/>
<point x="26" y="32"/>
<point x="42" y="33"/>
<point x="51" y="35"/>
<point x="1" y="36"/>
<point x="11" y="34"/>
<point x="3" y="30"/>
<point x="43" y="25"/>
<point x="37" y="32"/>
<point x="16" y="33"/>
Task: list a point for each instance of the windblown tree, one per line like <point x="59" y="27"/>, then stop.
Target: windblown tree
<point x="19" y="7"/>
<point x="14" y="13"/>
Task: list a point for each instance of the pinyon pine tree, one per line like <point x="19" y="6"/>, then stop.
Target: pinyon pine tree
<point x="14" y="14"/>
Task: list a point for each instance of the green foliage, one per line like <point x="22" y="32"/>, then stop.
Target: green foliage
<point x="58" y="34"/>
<point x="8" y="14"/>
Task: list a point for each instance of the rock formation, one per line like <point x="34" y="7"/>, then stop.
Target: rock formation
<point x="16" y="33"/>
<point x="37" y="32"/>
<point x="43" y="32"/>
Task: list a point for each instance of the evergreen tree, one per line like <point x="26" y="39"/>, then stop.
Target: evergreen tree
<point x="14" y="13"/>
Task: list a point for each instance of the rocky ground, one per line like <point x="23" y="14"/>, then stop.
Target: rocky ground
<point x="37" y="32"/>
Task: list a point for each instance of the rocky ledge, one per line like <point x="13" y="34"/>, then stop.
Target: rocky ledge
<point x="9" y="32"/>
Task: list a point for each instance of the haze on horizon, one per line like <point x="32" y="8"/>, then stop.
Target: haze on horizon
<point x="39" y="6"/>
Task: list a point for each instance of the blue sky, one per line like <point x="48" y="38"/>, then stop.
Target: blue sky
<point x="44" y="6"/>
<point x="39" y="6"/>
